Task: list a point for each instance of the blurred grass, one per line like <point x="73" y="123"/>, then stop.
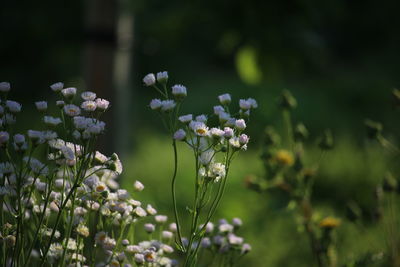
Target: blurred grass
<point x="349" y="172"/>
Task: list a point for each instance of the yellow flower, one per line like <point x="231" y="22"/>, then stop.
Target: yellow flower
<point x="329" y="223"/>
<point x="284" y="157"/>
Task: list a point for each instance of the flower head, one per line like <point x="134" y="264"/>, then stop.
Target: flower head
<point x="162" y="77"/>
<point x="5" y="87"/>
<point x="224" y="99"/>
<point x="149" y="79"/>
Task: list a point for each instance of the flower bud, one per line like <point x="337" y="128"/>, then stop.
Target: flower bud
<point x="149" y="79"/>
<point x="300" y="133"/>
<point x="162" y="77"/>
<point x="326" y="141"/>
<point x="5" y="87"/>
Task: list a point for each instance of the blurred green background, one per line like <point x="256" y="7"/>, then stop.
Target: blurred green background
<point x="338" y="58"/>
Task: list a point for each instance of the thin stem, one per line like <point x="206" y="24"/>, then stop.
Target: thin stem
<point x="174" y="195"/>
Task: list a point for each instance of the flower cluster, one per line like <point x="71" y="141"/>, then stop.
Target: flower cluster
<point x="65" y="206"/>
<point x="214" y="140"/>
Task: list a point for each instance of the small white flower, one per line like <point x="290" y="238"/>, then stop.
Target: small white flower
<point x="72" y="110"/>
<point x="234" y="142"/>
<point x="102" y="104"/>
<point x="244" y="104"/>
<point x="167" y="105"/>
<point x="60" y="103"/>
<point x="226" y="227"/>
<point x="167" y="235"/>
<point x="139" y="258"/>
<point x="13" y="106"/>
<point x="88" y="96"/>
<point x="224" y="99"/>
<point x="138" y="186"/>
<point x="217" y="171"/>
<point x="201" y="118"/>
<point x="234" y="239"/>
<point x="160" y="218"/>
<point x="82" y="230"/>
<point x="180" y="135"/>
<point x="69" y="92"/>
<point x="35" y="135"/>
<point x="4" y="137"/>
<point x="237" y="222"/>
<point x="51" y="121"/>
<point x="218" y="109"/>
<point x="186" y="118"/>
<point x="253" y="102"/>
<point x="245" y="248"/>
<point x="243" y="139"/>
<point x="240" y="124"/>
<point x="228" y="132"/>
<point x="149" y="79"/>
<point x="206" y="157"/>
<point x="179" y="91"/>
<point x="19" y="139"/>
<point x="122" y="194"/>
<point x="173" y="227"/>
<point x="41" y="105"/>
<point x="223" y="117"/>
<point x="57" y="86"/>
<point x="89" y="105"/>
<point x="140" y="212"/>
<point x="216" y="132"/>
<point x="199" y="128"/>
<point x="5" y="87"/>
<point x="162" y="77"/>
<point x="151" y="210"/>
<point x="155" y="104"/>
<point x="149" y="228"/>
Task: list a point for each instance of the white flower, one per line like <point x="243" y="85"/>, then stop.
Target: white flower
<point x="41" y="105"/>
<point x="173" y="227"/>
<point x="217" y="171"/>
<point x="253" y="102"/>
<point x="234" y="142"/>
<point x="167" y="249"/>
<point x="151" y="210"/>
<point x="179" y="91"/>
<point x="244" y="104"/>
<point x="57" y="86"/>
<point x="243" y="139"/>
<point x="140" y="212"/>
<point x="82" y="230"/>
<point x="240" y="124"/>
<point x="228" y="132"/>
<point x="100" y="237"/>
<point x="237" y="222"/>
<point x="89" y="105"/>
<point x="139" y="258"/>
<point x="122" y="194"/>
<point x="161" y="218"/>
<point x="60" y="103"/>
<point x="225" y="227"/>
<point x="102" y="104"/>
<point x="223" y="116"/>
<point x="162" y="77"/>
<point x="88" y="96"/>
<point x="138" y="186"/>
<point x="218" y="109"/>
<point x="4" y="137"/>
<point x="68" y="153"/>
<point x="245" y="248"/>
<point x="5" y="87"/>
<point x="186" y="118"/>
<point x="206" y="157"/>
<point x="35" y="135"/>
<point x="155" y="104"/>
<point x="133" y="249"/>
<point x="234" y="239"/>
<point x="13" y="106"/>
<point x="69" y="92"/>
<point x="149" y="79"/>
<point x="201" y="118"/>
<point x="19" y="139"/>
<point x="199" y="128"/>
<point x="149" y="228"/>
<point x="180" y="135"/>
<point x="216" y="132"/>
<point x="72" y="110"/>
<point x="51" y="121"/>
<point x="224" y="99"/>
<point x="167" y="105"/>
<point x="167" y="235"/>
